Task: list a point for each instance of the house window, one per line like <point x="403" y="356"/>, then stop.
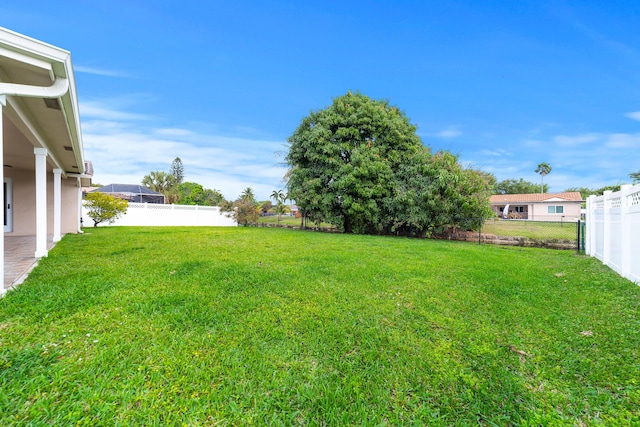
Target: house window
<point x="555" y="209"/>
<point x="519" y="209"/>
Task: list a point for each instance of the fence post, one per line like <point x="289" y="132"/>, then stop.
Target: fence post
<point x="588" y="217"/>
<point x="606" y="217"/>
<point x="625" y="226"/>
<point x="591" y="225"/>
<point x="578" y="237"/>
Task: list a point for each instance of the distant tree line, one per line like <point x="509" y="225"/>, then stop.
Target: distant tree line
<point x="171" y="185"/>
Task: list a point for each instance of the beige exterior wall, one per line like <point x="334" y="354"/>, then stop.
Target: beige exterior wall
<point x="540" y="211"/>
<point x="24" y="203"/>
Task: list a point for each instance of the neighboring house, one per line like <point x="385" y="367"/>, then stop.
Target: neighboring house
<point x="538" y="207"/>
<point x="41" y="143"/>
<point x="132" y="192"/>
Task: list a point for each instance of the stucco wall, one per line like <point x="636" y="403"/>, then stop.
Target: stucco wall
<point x="540" y="211"/>
<point x="24" y="203"/>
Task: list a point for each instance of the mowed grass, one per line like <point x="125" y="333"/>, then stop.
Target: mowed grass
<point x="252" y="326"/>
<point x="289" y="220"/>
<point x="538" y="230"/>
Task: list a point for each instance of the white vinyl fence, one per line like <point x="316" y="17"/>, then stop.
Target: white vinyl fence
<point x="613" y="230"/>
<point x="168" y="215"/>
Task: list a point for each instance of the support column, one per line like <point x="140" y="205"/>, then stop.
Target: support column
<point x="41" y="202"/>
<point x="79" y="205"/>
<point x="57" y="204"/>
<point x="3" y="103"/>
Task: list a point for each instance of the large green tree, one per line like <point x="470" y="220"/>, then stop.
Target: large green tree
<point x="359" y="164"/>
<point x="343" y="160"/>
<point x="433" y="193"/>
<point x="635" y="176"/>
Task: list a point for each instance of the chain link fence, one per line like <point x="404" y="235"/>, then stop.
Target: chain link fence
<point x="516" y="232"/>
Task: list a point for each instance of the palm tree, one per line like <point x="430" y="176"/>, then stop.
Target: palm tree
<point x="543" y="169"/>
<point x="279" y="197"/>
<point x="248" y="195"/>
<point x="158" y="181"/>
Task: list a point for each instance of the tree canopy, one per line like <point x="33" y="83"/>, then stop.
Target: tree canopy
<point x="519" y="186"/>
<point x="102" y="207"/>
<point x="359" y="164"/>
<point x="245" y="209"/>
<point x="192" y="193"/>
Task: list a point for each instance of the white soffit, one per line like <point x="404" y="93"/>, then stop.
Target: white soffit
<point x="26" y="59"/>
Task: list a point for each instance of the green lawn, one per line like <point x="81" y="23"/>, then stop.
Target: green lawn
<point x="284" y="219"/>
<point x="255" y="326"/>
<point x="531" y="229"/>
<point x="288" y="220"/>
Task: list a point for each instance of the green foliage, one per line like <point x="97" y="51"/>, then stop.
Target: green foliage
<point x="280" y="196"/>
<point x="283" y="328"/>
<point x="266" y="206"/>
<point x="434" y="193"/>
<point x="158" y="181"/>
<point x="245" y="209"/>
<point x="192" y="193"/>
<point x="182" y="193"/>
<point x="543" y="169"/>
<point x="635" y="176"/>
<point x="520" y="186"/>
<point x="586" y="192"/>
<point x="177" y="171"/>
<point x="360" y="166"/>
<point x="104" y="207"/>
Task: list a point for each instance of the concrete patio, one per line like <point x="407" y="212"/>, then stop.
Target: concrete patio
<point x="19" y="259"/>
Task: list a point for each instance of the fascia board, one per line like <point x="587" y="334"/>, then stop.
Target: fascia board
<point x="57" y="62"/>
<point x="33" y="48"/>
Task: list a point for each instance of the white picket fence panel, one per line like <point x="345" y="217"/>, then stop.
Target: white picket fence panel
<point x="152" y="214"/>
<point x="613" y="230"/>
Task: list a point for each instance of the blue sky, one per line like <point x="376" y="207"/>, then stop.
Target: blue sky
<point x="505" y="85"/>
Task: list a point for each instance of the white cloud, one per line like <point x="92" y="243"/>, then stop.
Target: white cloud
<point x="635" y="115"/>
<point x="495" y="153"/>
<point x="575" y="140"/>
<point x="95" y="109"/>
<point x="623" y="140"/>
<point x="99" y="71"/>
<point x="448" y="133"/>
<point x="123" y="150"/>
<point x="174" y="132"/>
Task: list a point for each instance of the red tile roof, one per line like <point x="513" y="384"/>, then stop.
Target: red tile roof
<point x="572" y="196"/>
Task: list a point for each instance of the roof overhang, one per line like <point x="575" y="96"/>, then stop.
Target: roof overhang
<point x="41" y="104"/>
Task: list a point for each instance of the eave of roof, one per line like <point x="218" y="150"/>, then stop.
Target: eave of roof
<point x="55" y="62"/>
